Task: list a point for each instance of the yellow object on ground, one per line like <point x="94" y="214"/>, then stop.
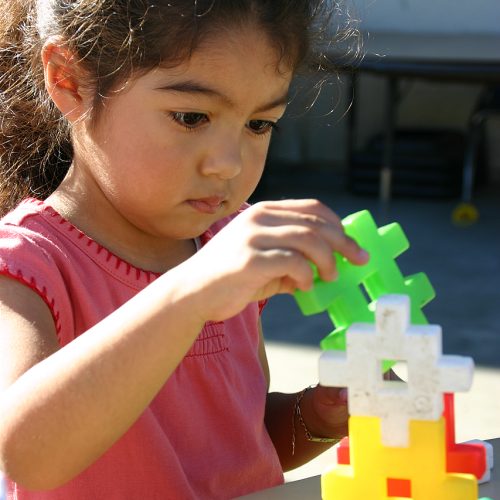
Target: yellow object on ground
<point x="465" y="214"/>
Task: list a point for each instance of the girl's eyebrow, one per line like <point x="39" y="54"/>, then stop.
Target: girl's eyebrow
<point x="193" y="87"/>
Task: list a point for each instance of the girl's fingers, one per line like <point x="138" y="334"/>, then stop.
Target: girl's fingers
<point x="348" y="247"/>
<point x="289" y="271"/>
<point x="307" y="246"/>
<point x="311" y="216"/>
<point x="330" y="404"/>
<point x="313" y="245"/>
<point x="269" y="249"/>
<point x="312" y="211"/>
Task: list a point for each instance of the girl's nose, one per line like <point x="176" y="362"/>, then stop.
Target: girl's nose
<point x="223" y="160"/>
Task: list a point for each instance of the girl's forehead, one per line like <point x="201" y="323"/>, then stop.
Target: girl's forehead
<point x="233" y="47"/>
<point x="244" y="59"/>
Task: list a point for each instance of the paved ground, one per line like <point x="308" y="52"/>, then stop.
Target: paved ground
<point x="463" y="264"/>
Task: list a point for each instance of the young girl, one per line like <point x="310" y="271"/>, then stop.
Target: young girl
<point x="132" y="271"/>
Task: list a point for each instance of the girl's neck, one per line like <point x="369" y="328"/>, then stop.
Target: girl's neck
<point x="135" y="247"/>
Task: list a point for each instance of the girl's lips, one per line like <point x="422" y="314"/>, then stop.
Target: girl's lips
<point x="207" y="205"/>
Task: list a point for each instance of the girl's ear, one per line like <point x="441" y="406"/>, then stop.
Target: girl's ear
<point x="64" y="80"/>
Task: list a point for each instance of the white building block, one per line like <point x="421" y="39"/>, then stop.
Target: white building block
<point x="430" y="373"/>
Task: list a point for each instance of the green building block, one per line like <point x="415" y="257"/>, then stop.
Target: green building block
<point x="351" y="298"/>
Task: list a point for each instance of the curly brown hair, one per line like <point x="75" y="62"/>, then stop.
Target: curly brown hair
<point x="113" y="40"/>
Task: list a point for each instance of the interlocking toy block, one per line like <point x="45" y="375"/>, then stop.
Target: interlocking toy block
<point x="484" y="449"/>
<point x="468" y="458"/>
<point x="474" y="457"/>
<point x="430" y="373"/>
<point x="344" y="299"/>
<point x="422" y="465"/>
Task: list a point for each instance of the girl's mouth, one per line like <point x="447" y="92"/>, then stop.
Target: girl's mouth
<point x="210" y="205"/>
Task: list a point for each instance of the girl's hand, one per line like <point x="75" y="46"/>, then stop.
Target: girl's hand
<point x="264" y="251"/>
<point x="329" y="414"/>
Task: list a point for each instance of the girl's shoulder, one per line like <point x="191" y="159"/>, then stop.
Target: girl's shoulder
<point x="23" y="229"/>
<point x="31" y="231"/>
<point x="30" y="254"/>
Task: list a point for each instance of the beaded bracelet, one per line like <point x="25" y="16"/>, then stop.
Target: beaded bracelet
<point x="297" y="413"/>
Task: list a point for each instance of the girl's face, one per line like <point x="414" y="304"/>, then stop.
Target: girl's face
<point x="179" y="148"/>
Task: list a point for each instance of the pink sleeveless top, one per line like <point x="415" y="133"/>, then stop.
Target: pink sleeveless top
<point x="203" y="436"/>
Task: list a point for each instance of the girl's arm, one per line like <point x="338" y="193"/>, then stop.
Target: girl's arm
<point x="332" y="424"/>
<point x="324" y="410"/>
<point x="60" y="409"/>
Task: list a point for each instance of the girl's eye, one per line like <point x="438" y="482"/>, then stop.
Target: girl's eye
<point x="189" y="120"/>
<point x="261" y="127"/>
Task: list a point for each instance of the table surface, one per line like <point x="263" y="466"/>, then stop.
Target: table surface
<point x="310" y="488"/>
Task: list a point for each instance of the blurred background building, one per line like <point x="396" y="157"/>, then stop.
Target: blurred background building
<point x="319" y="137"/>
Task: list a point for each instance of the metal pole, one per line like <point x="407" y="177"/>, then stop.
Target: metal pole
<point x="351" y="129"/>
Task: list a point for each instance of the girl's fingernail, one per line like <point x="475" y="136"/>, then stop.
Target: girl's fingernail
<point x="364" y="254"/>
<point x="343" y="395"/>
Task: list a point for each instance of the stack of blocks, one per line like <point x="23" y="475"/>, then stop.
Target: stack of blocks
<point x="401" y="440"/>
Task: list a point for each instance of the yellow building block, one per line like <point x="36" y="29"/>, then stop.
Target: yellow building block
<point x="423" y="463"/>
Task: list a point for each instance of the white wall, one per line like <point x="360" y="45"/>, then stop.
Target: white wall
<point x="430" y="16"/>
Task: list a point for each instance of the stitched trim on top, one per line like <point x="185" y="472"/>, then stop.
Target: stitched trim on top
<point x="41" y="291"/>
<point x="90" y="243"/>
<point x="212" y="340"/>
<point x="119" y="262"/>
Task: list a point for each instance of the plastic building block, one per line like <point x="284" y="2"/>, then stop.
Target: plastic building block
<point x="421" y="466"/>
<point x="346" y="300"/>
<point x="489" y="454"/>
<point x="474" y="457"/>
<point x="471" y="458"/>
<point x="343" y="456"/>
<point x="430" y="373"/>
